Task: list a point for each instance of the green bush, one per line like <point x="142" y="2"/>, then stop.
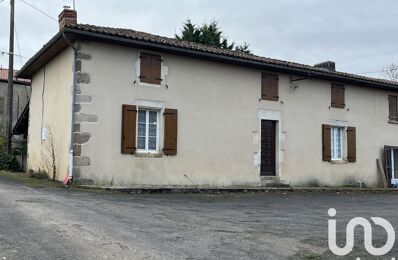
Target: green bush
<point x="8" y="162"/>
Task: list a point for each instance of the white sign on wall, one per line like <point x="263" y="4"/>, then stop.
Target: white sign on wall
<point x="43" y="134"/>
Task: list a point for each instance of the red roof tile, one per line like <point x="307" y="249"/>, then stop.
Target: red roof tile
<point x="4" y="76"/>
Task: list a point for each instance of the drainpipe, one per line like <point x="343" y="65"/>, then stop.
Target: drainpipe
<point x="69" y="178"/>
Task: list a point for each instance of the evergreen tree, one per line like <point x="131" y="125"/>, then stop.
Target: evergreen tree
<point x="209" y="34"/>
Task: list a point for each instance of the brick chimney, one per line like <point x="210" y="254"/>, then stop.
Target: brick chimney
<point x="67" y="17"/>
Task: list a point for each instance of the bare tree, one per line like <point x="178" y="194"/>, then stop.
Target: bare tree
<point x="391" y="72"/>
<point x="48" y="154"/>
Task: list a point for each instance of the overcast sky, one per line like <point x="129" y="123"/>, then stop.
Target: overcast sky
<point x="361" y="36"/>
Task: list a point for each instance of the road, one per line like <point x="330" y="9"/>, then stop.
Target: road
<point x="56" y="223"/>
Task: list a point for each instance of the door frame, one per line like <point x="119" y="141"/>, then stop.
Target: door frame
<point x="272" y="115"/>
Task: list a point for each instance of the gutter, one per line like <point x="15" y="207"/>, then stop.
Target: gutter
<point x="68" y="179"/>
<point x="37" y="55"/>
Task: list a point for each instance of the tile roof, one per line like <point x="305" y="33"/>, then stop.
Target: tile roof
<point x="137" y="38"/>
<point x="147" y="37"/>
<point x="4" y="76"/>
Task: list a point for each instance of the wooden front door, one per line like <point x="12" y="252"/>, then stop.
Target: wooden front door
<point x="268" y="148"/>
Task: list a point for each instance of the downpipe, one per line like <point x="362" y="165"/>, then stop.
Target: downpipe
<point x="69" y="178"/>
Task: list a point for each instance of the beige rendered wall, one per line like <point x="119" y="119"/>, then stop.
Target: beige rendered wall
<point x="51" y="109"/>
<point x="219" y="124"/>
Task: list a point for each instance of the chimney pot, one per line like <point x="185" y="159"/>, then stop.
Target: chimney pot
<point x="327" y="65"/>
<point x="67" y="17"/>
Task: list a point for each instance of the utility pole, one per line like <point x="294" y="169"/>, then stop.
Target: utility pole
<point x="10" y="88"/>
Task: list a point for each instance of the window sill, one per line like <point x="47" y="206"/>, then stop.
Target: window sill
<point x="275" y="100"/>
<point x="144" y="84"/>
<point x="143" y="154"/>
<point x="338" y="161"/>
<point x="393" y="122"/>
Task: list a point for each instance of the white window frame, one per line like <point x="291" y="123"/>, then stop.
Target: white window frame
<point x="333" y="143"/>
<point x="146" y="150"/>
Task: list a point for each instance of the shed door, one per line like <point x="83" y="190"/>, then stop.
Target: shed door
<point x="268" y="148"/>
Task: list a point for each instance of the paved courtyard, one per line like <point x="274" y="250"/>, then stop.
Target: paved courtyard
<point x="55" y="223"/>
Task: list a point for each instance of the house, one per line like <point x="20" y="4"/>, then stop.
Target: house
<point x="151" y="110"/>
<point x="20" y="100"/>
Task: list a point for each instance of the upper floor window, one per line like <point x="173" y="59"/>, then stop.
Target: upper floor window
<point x="269" y="87"/>
<point x="150" y="68"/>
<point x="338" y="99"/>
<point x="392" y="108"/>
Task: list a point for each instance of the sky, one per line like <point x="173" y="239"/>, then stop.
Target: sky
<point x="361" y="36"/>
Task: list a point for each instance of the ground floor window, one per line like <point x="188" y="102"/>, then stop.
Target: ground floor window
<point x="336" y="135"/>
<point x="148" y="130"/>
<point x="391" y="164"/>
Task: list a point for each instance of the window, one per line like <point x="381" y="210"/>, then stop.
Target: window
<point x="269" y="87"/>
<point x="338" y="99"/>
<point x="392" y="107"/>
<point x="333" y="138"/>
<point x="336" y="135"/>
<point x="140" y="130"/>
<point x="391" y="165"/>
<point x="150" y="68"/>
<point x="148" y="130"/>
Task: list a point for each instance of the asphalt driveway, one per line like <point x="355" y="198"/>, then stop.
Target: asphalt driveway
<point x="54" y="223"/>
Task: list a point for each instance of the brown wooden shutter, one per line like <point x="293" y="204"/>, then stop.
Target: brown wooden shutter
<point x="269" y="87"/>
<point x="274" y="82"/>
<point x="338" y="95"/>
<point x="145" y="67"/>
<point x="156" y="63"/>
<point x="129" y="118"/>
<point x="341" y="96"/>
<point x="388" y="162"/>
<point x="326" y="146"/>
<point x="264" y="87"/>
<point x="170" y="131"/>
<point x="351" y="144"/>
<point x="392" y="104"/>
<point x="334" y="101"/>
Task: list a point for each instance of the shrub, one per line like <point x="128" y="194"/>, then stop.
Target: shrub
<point x="8" y="162"/>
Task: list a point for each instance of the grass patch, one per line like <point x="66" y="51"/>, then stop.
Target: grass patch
<point x="22" y="178"/>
